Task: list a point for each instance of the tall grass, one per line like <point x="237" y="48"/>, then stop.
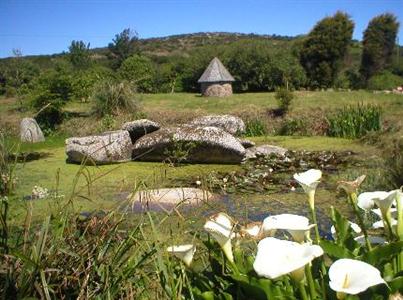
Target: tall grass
<point x="355" y="121"/>
<point x="255" y="127"/>
<point x="112" y="98"/>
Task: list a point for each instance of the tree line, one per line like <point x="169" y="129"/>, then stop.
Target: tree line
<point x="325" y="58"/>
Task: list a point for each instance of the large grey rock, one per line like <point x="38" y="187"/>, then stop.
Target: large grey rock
<point x="208" y="145"/>
<point x="30" y="131"/>
<point x="139" y="128"/>
<point x="109" y="147"/>
<point x="264" y="150"/>
<point x="229" y="123"/>
<point x="167" y="198"/>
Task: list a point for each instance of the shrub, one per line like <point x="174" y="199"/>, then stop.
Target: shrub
<point x="355" y="121"/>
<point x="255" y="127"/>
<point x="384" y="81"/>
<point x="112" y="98"/>
<point x="284" y="98"/>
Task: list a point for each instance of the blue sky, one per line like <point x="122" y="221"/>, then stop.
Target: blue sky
<point x="48" y="26"/>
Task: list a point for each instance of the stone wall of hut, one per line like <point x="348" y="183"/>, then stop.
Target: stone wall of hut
<point x="215" y="89"/>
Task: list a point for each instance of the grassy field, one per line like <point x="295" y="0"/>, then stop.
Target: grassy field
<point x="53" y="172"/>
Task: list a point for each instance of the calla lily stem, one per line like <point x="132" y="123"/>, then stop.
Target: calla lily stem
<point x="311" y="283"/>
<point x="302" y="291"/>
<point x="353" y="202"/>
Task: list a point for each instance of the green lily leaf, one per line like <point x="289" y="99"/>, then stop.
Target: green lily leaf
<point x="382" y="254"/>
<point x="335" y="250"/>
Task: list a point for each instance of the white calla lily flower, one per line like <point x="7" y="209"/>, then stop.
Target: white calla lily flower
<point x="349" y="276"/>
<point x="366" y="200"/>
<point x="183" y="252"/>
<point x="355" y="227"/>
<point x="221" y="227"/>
<point x="297" y="226"/>
<point x="277" y="257"/>
<point x="309" y="180"/>
<point x="384" y="202"/>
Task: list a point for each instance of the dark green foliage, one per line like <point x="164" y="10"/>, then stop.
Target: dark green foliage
<point x="324" y="49"/>
<point x="384" y="81"/>
<point x="51" y="92"/>
<point x="355" y="121"/>
<point x="79" y="54"/>
<point x="379" y="41"/>
<point x="293" y="126"/>
<point x="284" y="98"/>
<point x="139" y="70"/>
<point x="111" y="98"/>
<point x="122" y="46"/>
<point x="255" y="127"/>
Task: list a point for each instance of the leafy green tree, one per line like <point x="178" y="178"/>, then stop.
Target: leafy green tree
<point x="324" y="49"/>
<point x="79" y="54"/>
<point x="140" y="71"/>
<point x="122" y="46"/>
<point x="379" y="42"/>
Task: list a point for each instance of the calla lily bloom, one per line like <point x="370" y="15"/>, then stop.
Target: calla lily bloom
<point x="183" y="252"/>
<point x="366" y="200"/>
<point x="385" y="203"/>
<point x="349" y="276"/>
<point x="221" y="226"/>
<point x="277" y="257"/>
<point x="309" y="180"/>
<point x="351" y="187"/>
<point x="297" y="226"/>
<point x="354" y="227"/>
<point x="253" y="230"/>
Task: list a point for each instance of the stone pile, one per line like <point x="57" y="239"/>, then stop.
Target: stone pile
<point x="209" y="139"/>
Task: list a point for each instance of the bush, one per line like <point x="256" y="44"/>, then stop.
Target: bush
<point x="355" y="121"/>
<point x="255" y="127"/>
<point x="384" y="81"/>
<point x="112" y="98"/>
<point x="284" y="98"/>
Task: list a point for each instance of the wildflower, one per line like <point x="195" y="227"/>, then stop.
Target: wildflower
<point x="349" y="276"/>
<point x="198" y="182"/>
<point x="220" y="226"/>
<point x="183" y="252"/>
<point x="297" y="226"/>
<point x="366" y="200"/>
<point x="351" y="187"/>
<point x="276" y="258"/>
<point x="309" y="180"/>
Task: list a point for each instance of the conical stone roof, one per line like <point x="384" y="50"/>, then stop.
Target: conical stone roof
<point x="216" y="72"/>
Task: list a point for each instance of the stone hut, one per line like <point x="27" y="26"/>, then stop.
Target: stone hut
<point x="216" y="80"/>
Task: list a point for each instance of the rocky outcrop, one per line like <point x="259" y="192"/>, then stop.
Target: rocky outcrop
<point x="201" y="144"/>
<point x="30" y="131"/>
<point x="139" y="128"/>
<point x="264" y="150"/>
<point x="229" y="123"/>
<point x="109" y="147"/>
